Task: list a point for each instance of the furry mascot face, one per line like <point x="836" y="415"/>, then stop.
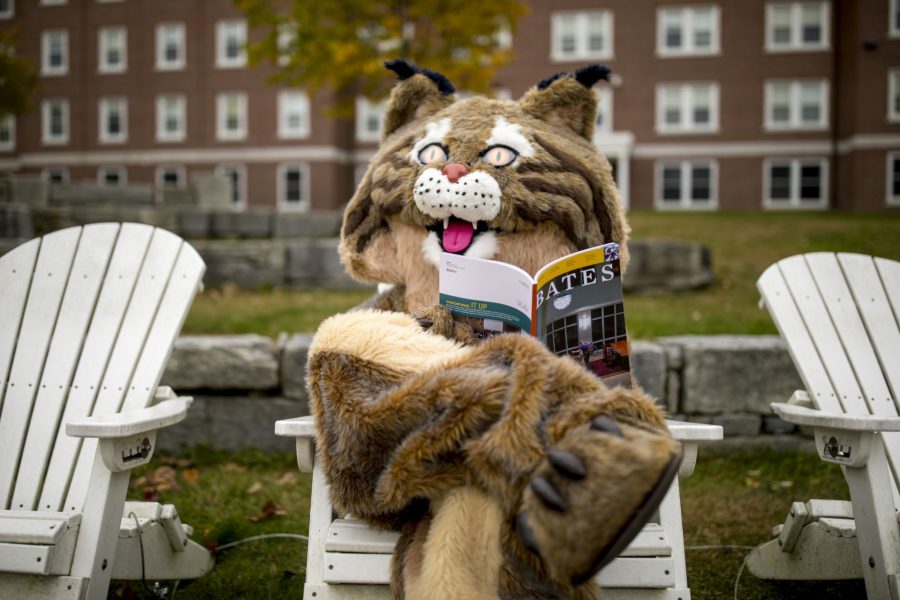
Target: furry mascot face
<point x="515" y="181"/>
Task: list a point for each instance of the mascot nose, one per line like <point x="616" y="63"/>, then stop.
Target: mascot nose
<point x="454" y="171"/>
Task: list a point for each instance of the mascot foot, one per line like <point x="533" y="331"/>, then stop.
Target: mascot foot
<point x="593" y="494"/>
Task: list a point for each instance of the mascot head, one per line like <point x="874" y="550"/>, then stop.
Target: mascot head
<point x="515" y="181"/>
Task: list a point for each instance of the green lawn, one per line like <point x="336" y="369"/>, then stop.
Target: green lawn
<point x="742" y="244"/>
<point x="732" y="499"/>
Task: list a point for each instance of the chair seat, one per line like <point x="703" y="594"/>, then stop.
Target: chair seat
<point x="37" y="543"/>
<point x="356" y="554"/>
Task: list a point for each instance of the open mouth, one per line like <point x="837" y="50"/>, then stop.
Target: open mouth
<point x="457" y="235"/>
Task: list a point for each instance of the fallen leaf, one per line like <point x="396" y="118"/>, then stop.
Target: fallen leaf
<point x="286" y="478"/>
<point x="234" y="468"/>
<point x="190" y="476"/>
<point x="257" y="486"/>
<point x="754" y="472"/>
<point x="269" y="510"/>
<point x="752" y="483"/>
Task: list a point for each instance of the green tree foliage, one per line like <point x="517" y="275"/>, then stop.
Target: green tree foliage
<point x="343" y="45"/>
<point x="18" y="77"/>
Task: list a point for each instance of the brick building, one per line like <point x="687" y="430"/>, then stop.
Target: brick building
<point x="739" y="105"/>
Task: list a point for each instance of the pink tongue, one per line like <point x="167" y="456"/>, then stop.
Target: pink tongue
<point x="457" y="235"/>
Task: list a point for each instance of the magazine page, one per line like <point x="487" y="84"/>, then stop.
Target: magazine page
<point x="492" y="297"/>
<point x="580" y="313"/>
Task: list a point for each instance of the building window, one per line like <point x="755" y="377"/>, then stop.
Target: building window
<point x="687" y="31"/>
<point x="293" y="114"/>
<point x="686" y="184"/>
<point x="231" y="116"/>
<point x="893" y="100"/>
<point x="170" y="176"/>
<point x="237" y="180"/>
<point x="7" y="9"/>
<point x="7" y="133"/>
<point x="795" y="183"/>
<point x="893" y="178"/>
<point x="287" y="37"/>
<point x="52" y="2"/>
<point x="170" y="118"/>
<point x="603" y="123"/>
<point x="581" y="35"/>
<point x="796" y="105"/>
<point x="797" y="26"/>
<point x="113" y="120"/>
<point x="54" y="52"/>
<point x="55" y="121"/>
<point x="687" y="108"/>
<point x="894" y="19"/>
<point x="112" y="49"/>
<point x="112" y="176"/>
<point x="293" y="187"/>
<point x="369" y="120"/>
<point x="231" y="41"/>
<point x="55" y="175"/>
<point x="170" y="46"/>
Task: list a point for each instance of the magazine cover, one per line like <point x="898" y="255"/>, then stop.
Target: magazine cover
<point x="574" y="305"/>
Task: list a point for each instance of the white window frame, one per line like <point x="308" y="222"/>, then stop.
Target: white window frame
<point x="796" y="43"/>
<point x="178" y="29"/>
<point x="893" y="116"/>
<point x="687" y="126"/>
<point x="64" y="171"/>
<point x="241" y="169"/>
<point x="286" y="101"/>
<point x="8" y="122"/>
<point x="10" y="11"/>
<point x="46" y="138"/>
<point x="222" y="132"/>
<point x="179" y="169"/>
<point x="890" y="198"/>
<point x="53" y="2"/>
<point x="686" y="167"/>
<point x="286" y="38"/>
<point x="104" y="108"/>
<point x="893" y="29"/>
<point x="121" y="170"/>
<point x="687" y="33"/>
<point x="46" y="68"/>
<point x="364" y="108"/>
<point x="796" y="109"/>
<point x="581" y="52"/>
<point x="162" y="135"/>
<point x="794" y="202"/>
<point x="103" y="47"/>
<point x="604" y="107"/>
<point x="305" y="201"/>
<point x="223" y="30"/>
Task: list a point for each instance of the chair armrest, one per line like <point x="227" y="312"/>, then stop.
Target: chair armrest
<point x="801" y="415"/>
<point x="303" y="429"/>
<point x="690" y="435"/>
<point x="130" y="423"/>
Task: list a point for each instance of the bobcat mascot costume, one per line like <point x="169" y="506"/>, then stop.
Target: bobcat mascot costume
<point x="509" y="472"/>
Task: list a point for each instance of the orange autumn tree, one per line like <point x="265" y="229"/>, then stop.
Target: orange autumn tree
<point x="342" y="46"/>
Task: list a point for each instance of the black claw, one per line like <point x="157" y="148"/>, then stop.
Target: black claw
<point x="544" y="490"/>
<point x="526" y="533"/>
<point x="607" y="425"/>
<point x="425" y="323"/>
<point x="566" y="464"/>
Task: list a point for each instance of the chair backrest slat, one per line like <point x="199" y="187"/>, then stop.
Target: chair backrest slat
<point x="16" y="269"/>
<point x="45" y="295"/>
<point x="850" y="328"/>
<point x="87" y="273"/>
<point x="145" y="300"/>
<point x="115" y="295"/>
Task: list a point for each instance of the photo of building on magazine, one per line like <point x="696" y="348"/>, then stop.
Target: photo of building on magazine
<point x="574" y="305"/>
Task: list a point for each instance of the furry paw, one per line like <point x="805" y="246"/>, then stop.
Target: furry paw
<point x="592" y="495"/>
<point x="439" y="320"/>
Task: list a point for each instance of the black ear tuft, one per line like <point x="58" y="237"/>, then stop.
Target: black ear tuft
<point x="404" y="70"/>
<point x="591" y="74"/>
<point x="546" y="82"/>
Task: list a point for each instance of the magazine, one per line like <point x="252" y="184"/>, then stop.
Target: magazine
<point x="573" y="304"/>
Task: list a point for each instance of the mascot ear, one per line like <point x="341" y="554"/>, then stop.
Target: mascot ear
<point x="566" y="99"/>
<point x="420" y="93"/>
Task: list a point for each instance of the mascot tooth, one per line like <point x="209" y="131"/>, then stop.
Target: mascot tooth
<point x="509" y="472"/>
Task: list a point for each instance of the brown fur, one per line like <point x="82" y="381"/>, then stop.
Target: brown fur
<point x="423" y="430"/>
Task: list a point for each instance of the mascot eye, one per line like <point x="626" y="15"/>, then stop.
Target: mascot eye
<point x="499" y="156"/>
<point x="432" y="153"/>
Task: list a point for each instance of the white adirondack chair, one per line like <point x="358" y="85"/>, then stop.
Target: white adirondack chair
<point x="348" y="560"/>
<point x="839" y="317"/>
<point x="88" y="316"/>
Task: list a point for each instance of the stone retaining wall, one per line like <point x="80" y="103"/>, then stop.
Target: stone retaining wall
<point x="242" y="384"/>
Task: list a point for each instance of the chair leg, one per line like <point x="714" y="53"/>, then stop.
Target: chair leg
<point x="319" y="523"/>
<point x="876" y="522"/>
<point x="670" y="521"/>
